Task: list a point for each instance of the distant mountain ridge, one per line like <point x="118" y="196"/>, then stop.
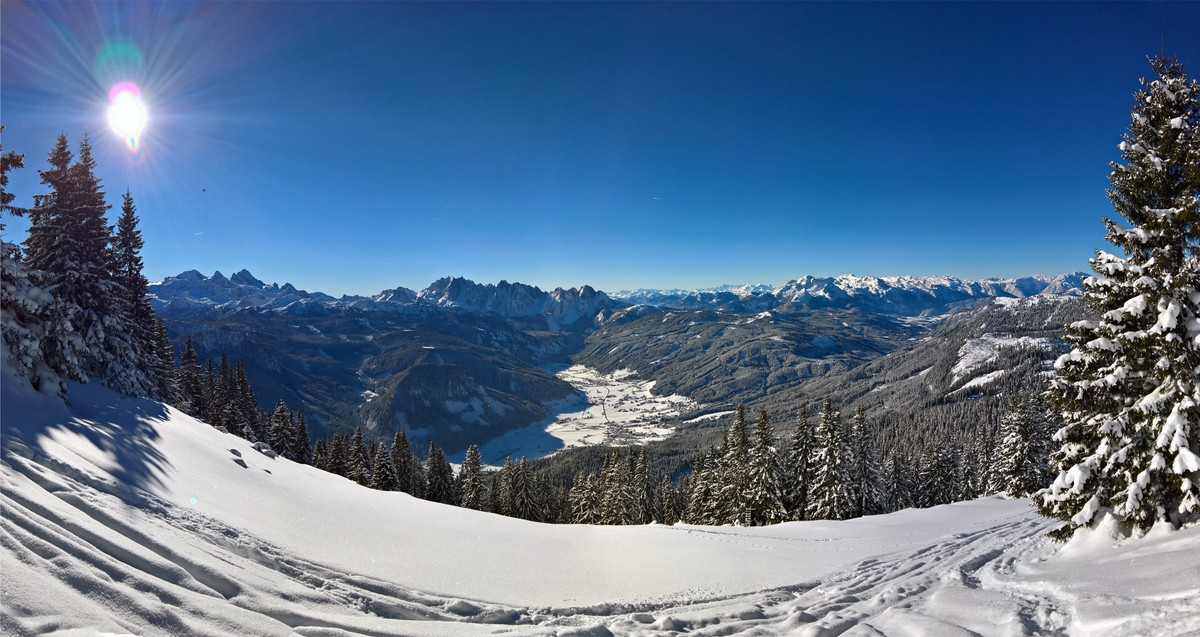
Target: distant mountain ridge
<point x="192" y="292"/>
<point x="903" y="295"/>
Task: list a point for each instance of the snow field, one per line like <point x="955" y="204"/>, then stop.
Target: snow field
<point x="126" y="517"/>
<point x="611" y="409"/>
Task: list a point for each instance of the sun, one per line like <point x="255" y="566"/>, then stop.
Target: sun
<point x="127" y="115"/>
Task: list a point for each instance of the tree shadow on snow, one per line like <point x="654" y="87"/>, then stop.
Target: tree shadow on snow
<point x="124" y="429"/>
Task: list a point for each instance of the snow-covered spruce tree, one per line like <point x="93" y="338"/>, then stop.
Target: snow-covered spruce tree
<point x="470" y="480"/>
<point x="189" y="381"/>
<point x="898" y="486"/>
<point x="358" y="464"/>
<point x="69" y="241"/>
<point x="830" y="495"/>
<point x="1019" y="463"/>
<point x="764" y="496"/>
<point x="668" y="502"/>
<point x="864" y="467"/>
<point x="701" y="507"/>
<point x="1129" y="389"/>
<point x="799" y="468"/>
<point x="39" y="342"/>
<point x="734" y="483"/>
<point x="131" y="302"/>
<point x="402" y="459"/>
<point x="299" y="442"/>
<point x="383" y="470"/>
<point x="280" y="429"/>
<point x="164" y="366"/>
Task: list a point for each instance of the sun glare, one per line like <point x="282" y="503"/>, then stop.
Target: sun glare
<point x="127" y="115"/>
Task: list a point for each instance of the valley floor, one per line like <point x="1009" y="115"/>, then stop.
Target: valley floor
<point x="125" y="517"/>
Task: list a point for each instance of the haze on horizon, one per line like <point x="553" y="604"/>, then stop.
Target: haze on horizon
<point x="354" y="148"/>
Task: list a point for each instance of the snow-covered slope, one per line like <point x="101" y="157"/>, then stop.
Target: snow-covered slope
<point x="124" y="516"/>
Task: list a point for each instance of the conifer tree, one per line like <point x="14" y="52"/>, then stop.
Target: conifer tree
<point x="764" y="497"/>
<point x="39" y="341"/>
<point x="280" y="429"/>
<point x="439" y="477"/>
<point x="1128" y="388"/>
<point x="617" y="496"/>
<point x="189" y="381"/>
<point x="830" y="496"/>
<point x="581" y="510"/>
<point x="898" y="487"/>
<point x="1019" y="464"/>
<point x="669" y="510"/>
<point x="865" y="472"/>
<point x="358" y="463"/>
<point x="403" y="459"/>
<point x="470" y="480"/>
<point x="299" y="443"/>
<point x="734" y="475"/>
<point x="163" y="364"/>
<point x="799" y="470"/>
<point x="339" y="455"/>
<point x="132" y="286"/>
<point x="640" y="489"/>
<point x="383" y="470"/>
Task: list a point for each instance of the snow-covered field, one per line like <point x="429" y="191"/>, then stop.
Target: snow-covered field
<point x="611" y="409"/>
<point x="127" y="517"/>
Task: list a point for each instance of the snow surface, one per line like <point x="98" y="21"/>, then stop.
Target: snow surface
<point x="977" y="352"/>
<point x="128" y="517"/>
<point x="610" y="409"/>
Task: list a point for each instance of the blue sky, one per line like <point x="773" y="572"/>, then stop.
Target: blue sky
<point x="354" y="147"/>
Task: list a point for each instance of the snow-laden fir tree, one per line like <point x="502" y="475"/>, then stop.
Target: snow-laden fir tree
<point x="1019" y="465"/>
<point x="831" y="496"/>
<point x="470" y="480"/>
<point x="1129" y="389"/>
<point x="69" y="241"/>
<point x="439" y="477"/>
<point x="865" y="474"/>
<point x="403" y="459"/>
<point x="189" y="381"/>
<point x="641" y="490"/>
<point x="764" y="496"/>
<point x="799" y="468"/>
<point x="732" y="502"/>
<point x="358" y="462"/>
<point x="39" y="341"/>
<point x="669" y="510"/>
<point x="938" y="476"/>
<point x="618" y="496"/>
<point x="130" y="301"/>
<point x="701" y="505"/>
<point x="898" y="484"/>
<point x="164" y="364"/>
<point x="383" y="470"/>
<point x="279" y="432"/>
<point x="299" y="442"/>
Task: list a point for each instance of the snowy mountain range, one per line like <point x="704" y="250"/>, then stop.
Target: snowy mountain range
<point x="412" y="360"/>
<point x="901" y="295"/>
<point x="191" y="291"/>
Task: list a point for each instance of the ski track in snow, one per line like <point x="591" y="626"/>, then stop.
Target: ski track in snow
<point x="83" y="553"/>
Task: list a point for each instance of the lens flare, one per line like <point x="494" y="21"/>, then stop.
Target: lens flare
<point x="128" y="115"/>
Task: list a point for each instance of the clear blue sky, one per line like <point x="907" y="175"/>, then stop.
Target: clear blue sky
<point x="354" y="147"/>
